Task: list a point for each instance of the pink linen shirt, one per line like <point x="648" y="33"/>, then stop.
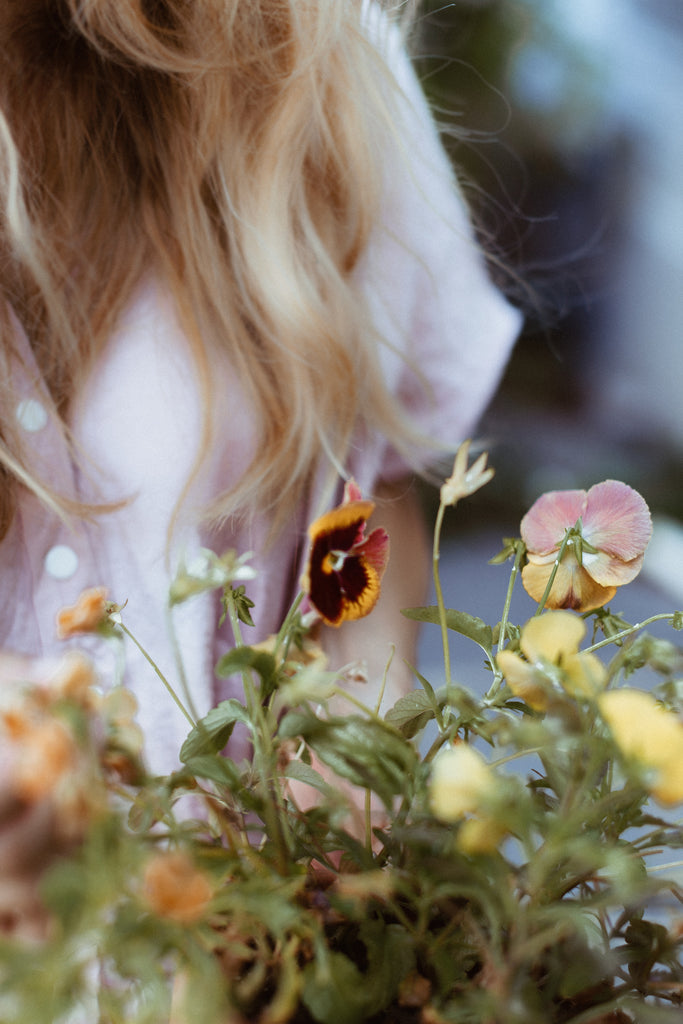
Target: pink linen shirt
<point x="137" y="428"/>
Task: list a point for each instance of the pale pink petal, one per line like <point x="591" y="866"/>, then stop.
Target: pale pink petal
<point x="609" y="571"/>
<point x="545" y="524"/>
<point x="352" y="492"/>
<point x="617" y="520"/>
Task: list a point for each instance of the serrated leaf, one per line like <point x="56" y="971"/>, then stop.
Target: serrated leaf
<point x="411" y="713"/>
<point x="367" y="752"/>
<point x="299" y="771"/>
<point x="460" y="622"/>
<point x="212" y="732"/>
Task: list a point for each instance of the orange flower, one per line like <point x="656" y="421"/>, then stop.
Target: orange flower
<point x="45" y="752"/>
<point x="345" y="568"/>
<point x="175" y="888"/>
<point x="604" y="531"/>
<point x="84" y="616"/>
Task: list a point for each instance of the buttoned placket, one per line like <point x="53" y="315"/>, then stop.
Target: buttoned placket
<point x="57" y="555"/>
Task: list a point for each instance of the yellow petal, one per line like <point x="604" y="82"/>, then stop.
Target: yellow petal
<point x="650" y="735"/>
<point x="523" y="680"/>
<point x="572" y="587"/>
<point x="667" y="786"/>
<point x="553" y="636"/>
<point x="480" y="835"/>
<point x="583" y="675"/>
<point x="459" y="781"/>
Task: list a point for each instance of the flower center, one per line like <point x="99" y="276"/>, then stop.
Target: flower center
<point x="334" y="561"/>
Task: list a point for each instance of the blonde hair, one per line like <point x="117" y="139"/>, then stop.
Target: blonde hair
<point x="237" y="148"/>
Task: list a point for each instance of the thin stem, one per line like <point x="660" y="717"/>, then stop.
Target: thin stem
<point x="284" y="635"/>
<point x="627" y="632"/>
<point x="383" y="686"/>
<point x="436" y="555"/>
<point x="180" y="664"/>
<point x="368" y="821"/>
<point x="498" y="675"/>
<point x="159" y="673"/>
<point x="567" y="539"/>
<point x="665" y="867"/>
<point x="274" y="812"/>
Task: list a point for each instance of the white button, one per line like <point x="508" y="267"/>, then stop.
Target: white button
<point x="61" y="562"/>
<point x="31" y="414"/>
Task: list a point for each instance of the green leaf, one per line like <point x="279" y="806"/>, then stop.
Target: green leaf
<point x="212" y="732"/>
<point x="215" y="768"/>
<point x="391" y="957"/>
<point x="460" y="622"/>
<point x="677" y="620"/>
<point x="367" y="752"/>
<point x="241" y="659"/>
<point x="411" y="713"/>
<point x="301" y="772"/>
<point x="334" y="990"/>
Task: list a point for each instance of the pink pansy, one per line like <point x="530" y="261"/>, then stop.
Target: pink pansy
<point x="611" y="528"/>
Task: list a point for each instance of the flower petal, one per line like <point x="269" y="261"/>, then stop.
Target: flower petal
<point x="352" y="492"/>
<point x="650" y="735"/>
<point x="617" y="520"/>
<point x="583" y="675"/>
<point x="609" y="571"/>
<point x="84" y="616"/>
<point x="375" y="549"/>
<point x="524" y="681"/>
<point x="344" y="570"/>
<point x="343" y="525"/>
<point x="552" y="636"/>
<point x="460" y="780"/>
<point x="544" y="525"/>
<point x="572" y="587"/>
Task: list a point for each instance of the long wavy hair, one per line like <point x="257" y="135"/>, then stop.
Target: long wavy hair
<point x="234" y="146"/>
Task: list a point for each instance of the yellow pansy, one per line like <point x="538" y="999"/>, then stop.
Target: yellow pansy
<point x="552" y="661"/>
<point x="648" y="734"/>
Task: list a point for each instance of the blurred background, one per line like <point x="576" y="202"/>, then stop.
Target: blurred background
<point x="565" y="122"/>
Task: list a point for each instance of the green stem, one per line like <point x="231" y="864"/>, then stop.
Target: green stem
<point x="436" y="555"/>
<point x="274" y="814"/>
<point x="627" y="632"/>
<point x="284" y="635"/>
<point x="180" y="665"/>
<point x="498" y="675"/>
<point x="568" y="537"/>
<point x="159" y="673"/>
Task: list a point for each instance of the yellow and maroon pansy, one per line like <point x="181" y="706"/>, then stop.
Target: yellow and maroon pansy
<point x="343" y="576"/>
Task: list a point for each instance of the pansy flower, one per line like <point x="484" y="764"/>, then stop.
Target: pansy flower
<point x="649" y="735"/>
<point x="345" y="568"/>
<point x="175" y="888"/>
<point x="602" y="534"/>
<point x="552" y="661"/>
<point x="85" y="616"/>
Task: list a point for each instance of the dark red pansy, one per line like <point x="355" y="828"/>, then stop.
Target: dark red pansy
<point x="343" y="576"/>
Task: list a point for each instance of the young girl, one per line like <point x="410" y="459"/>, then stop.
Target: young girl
<point x="235" y="269"/>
